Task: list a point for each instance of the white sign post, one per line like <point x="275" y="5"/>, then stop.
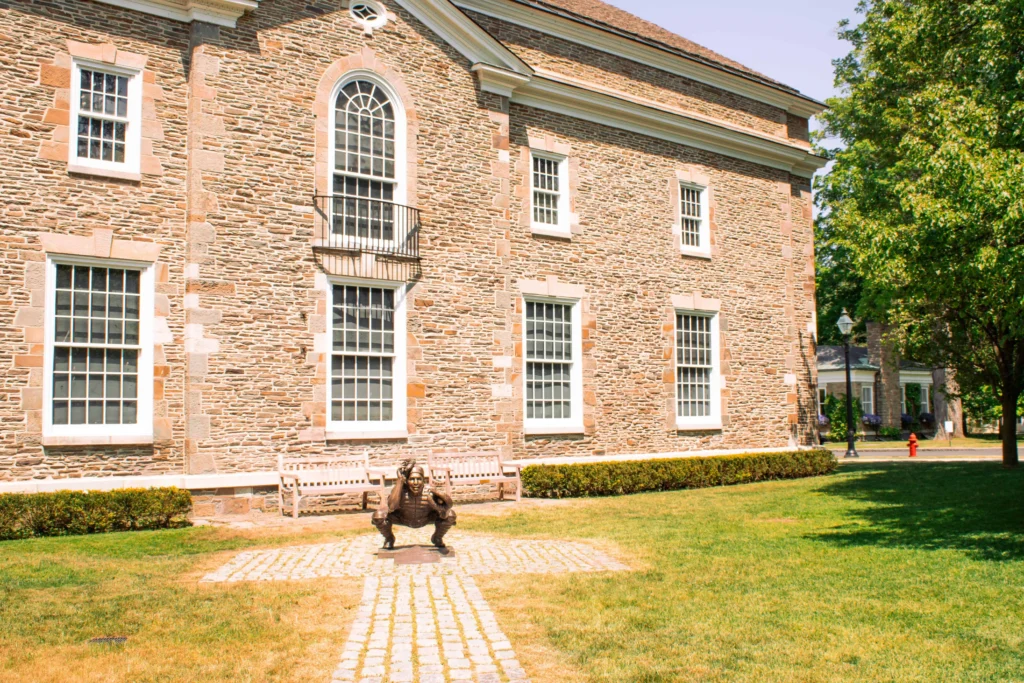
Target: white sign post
<point x="948" y="424"/>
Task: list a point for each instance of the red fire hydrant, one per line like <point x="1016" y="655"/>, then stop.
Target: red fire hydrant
<point x="912" y="444"/>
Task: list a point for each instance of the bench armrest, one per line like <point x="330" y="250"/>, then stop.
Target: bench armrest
<point x="515" y="466"/>
<point x="372" y="473"/>
<point x="289" y="475"/>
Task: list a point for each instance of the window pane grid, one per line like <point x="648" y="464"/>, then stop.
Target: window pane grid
<point x="694" y="365"/>
<point x="96" y="345"/>
<point x="103" y="115"/>
<point x="549" y="361"/>
<point x="362" y="366"/>
<point x="365" y="208"/>
<point x="546" y="190"/>
<point x="690" y="215"/>
<point x="364" y="160"/>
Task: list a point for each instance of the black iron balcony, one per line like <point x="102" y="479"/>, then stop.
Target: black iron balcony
<point x="367" y="226"/>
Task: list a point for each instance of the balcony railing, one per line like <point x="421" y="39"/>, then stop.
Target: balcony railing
<point x="364" y="225"/>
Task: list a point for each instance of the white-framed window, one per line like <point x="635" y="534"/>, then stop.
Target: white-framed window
<point x="822" y="393"/>
<point x="98" y="352"/>
<point x="926" y="399"/>
<point x="553" y="377"/>
<point x="367" y="389"/>
<point x="106" y="119"/>
<point x="549" y="194"/>
<point x="694" y="224"/>
<point x="867" y="399"/>
<point x="903" y="399"/>
<point x="367" y="161"/>
<point x="698" y="383"/>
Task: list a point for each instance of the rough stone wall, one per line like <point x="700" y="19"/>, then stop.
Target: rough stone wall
<point x="599" y="68"/>
<point x="41" y="197"/>
<point x="233" y="213"/>
<point x="624" y="257"/>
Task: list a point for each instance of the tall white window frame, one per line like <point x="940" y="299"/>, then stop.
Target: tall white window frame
<point x="867" y="399"/>
<point x="535" y="371"/>
<point x="142" y="429"/>
<point x="693" y="216"/>
<point x="131" y="119"/>
<point x="686" y="342"/>
<point x="549" y="194"/>
<point x="337" y="395"/>
<point x="335" y="172"/>
<point x="822" y="395"/>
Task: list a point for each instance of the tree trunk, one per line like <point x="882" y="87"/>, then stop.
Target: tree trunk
<point x="1009" y="427"/>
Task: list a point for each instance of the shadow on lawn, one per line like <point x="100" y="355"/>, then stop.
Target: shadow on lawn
<point x="977" y="508"/>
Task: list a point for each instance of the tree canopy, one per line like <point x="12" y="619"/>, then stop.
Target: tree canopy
<point x="926" y="193"/>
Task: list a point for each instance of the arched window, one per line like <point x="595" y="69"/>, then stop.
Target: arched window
<point x="367" y="163"/>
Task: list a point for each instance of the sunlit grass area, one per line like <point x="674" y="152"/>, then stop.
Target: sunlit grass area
<point x="900" y="572"/>
<point x="881" y="572"/>
<point x="57" y="593"/>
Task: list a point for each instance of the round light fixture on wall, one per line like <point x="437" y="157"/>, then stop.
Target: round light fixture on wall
<point x="369" y="15"/>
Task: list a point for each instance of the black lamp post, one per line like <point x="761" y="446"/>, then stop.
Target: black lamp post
<point x="845" y="328"/>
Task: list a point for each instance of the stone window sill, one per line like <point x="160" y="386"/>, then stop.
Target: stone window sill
<point x="382" y="435"/>
<point x="698" y="426"/>
<point x="696" y="253"/>
<point x="127" y="440"/>
<point x="104" y="172"/>
<point x="548" y="231"/>
<point x="552" y="430"/>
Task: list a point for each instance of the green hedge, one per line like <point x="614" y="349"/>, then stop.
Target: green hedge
<point x="634" y="476"/>
<point x="70" y="513"/>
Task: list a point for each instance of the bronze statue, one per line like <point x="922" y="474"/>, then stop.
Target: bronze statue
<point x="414" y="505"/>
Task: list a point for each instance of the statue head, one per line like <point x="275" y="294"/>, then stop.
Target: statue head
<point x="416" y="480"/>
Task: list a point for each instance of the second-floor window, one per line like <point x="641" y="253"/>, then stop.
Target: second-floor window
<point x="549" y="190"/>
<point x="693" y="220"/>
<point x="365" y="162"/>
<point x="106" y="113"/>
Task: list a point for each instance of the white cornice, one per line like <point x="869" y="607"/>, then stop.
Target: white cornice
<point x="671" y="125"/>
<point x="219" y="12"/>
<point x="631" y="48"/>
<point x="498" y="81"/>
<point x="462" y="33"/>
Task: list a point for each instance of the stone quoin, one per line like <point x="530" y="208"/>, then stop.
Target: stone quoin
<point x="541" y="228"/>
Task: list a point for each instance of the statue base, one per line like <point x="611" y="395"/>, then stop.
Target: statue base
<point x="416" y="554"/>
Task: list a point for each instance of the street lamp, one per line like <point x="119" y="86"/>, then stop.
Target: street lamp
<point x="845" y="328"/>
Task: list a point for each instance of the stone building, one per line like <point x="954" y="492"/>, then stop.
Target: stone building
<point x="239" y="228"/>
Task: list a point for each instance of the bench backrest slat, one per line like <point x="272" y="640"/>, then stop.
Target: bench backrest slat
<point x="480" y="465"/>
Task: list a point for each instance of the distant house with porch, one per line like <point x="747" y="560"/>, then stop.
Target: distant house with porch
<point x="885" y="384"/>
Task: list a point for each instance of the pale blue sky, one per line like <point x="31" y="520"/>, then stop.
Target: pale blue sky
<point x="792" y="41"/>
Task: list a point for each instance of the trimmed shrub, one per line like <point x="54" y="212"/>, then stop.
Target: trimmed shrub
<point x="669" y="474"/>
<point x="890" y="433"/>
<point x="71" y="513"/>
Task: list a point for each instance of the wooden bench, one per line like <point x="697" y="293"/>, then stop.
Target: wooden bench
<point x="474" y="468"/>
<point x="324" y="476"/>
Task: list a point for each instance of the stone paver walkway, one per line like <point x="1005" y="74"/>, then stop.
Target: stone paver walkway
<point x="425" y="623"/>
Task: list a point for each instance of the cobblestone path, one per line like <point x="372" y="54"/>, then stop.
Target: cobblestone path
<point x="425" y="623"/>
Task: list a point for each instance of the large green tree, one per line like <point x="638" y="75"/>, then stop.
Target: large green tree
<point x="927" y="187"/>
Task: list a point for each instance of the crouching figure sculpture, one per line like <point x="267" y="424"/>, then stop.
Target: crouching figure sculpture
<point x="413" y="504"/>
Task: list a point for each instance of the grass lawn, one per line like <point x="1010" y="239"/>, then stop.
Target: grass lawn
<point x="56" y="593"/>
<point x="881" y="572"/>
<point x="984" y="441"/>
